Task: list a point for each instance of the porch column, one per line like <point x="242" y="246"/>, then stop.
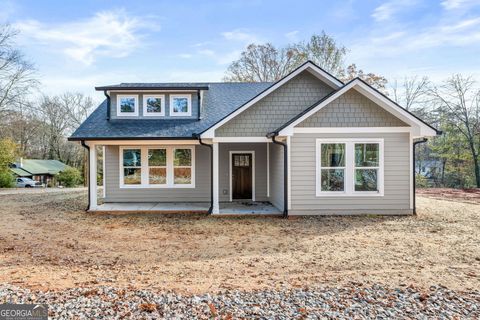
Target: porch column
<point x="216" y="206"/>
<point x="92" y="179"/>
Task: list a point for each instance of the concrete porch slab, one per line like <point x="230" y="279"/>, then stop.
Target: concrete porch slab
<point x="154" y="207"/>
<point x="226" y="208"/>
<point x="248" y="208"/>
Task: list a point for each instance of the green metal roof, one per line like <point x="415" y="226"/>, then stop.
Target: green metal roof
<point x="35" y="166"/>
<point x="20" y="172"/>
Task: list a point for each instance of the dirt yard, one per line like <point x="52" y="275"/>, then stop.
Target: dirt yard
<point x="47" y="241"/>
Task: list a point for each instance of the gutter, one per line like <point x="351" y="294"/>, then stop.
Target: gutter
<point x="108" y="103"/>
<point x="273" y="136"/>
<point x="211" y="169"/>
<point x="414" y="174"/>
<point x="88" y="173"/>
<point x="199" y="98"/>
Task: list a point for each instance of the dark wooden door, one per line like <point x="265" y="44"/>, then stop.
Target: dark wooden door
<point x="241" y="176"/>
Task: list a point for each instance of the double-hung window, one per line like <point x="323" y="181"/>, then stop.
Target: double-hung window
<point x="180" y="105"/>
<point x="349" y="167"/>
<point x="132" y="166"/>
<point x="157" y="167"/>
<point x="182" y="166"/>
<point x="127" y="105"/>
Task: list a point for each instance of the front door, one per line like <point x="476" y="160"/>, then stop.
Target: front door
<point x="241" y="176"/>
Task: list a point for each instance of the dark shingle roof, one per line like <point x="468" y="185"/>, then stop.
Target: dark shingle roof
<point x="159" y="85"/>
<point x="218" y="101"/>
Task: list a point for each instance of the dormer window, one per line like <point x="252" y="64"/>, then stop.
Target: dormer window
<point x="153" y="105"/>
<point x="127" y="105"/>
<point x="180" y="105"/>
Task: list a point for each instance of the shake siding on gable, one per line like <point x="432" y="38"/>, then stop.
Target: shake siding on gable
<point x="397" y="178"/>
<point x="277" y="108"/>
<point x="352" y="109"/>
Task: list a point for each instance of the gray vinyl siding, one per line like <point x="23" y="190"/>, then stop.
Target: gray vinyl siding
<point x="260" y="168"/>
<point x="201" y="192"/>
<point x="276" y="108"/>
<point x="352" y="109"/>
<point x="396" y="199"/>
<point x="276" y="175"/>
<point x="113" y="105"/>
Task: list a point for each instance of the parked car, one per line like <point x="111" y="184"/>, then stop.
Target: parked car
<point x="26" y="183"/>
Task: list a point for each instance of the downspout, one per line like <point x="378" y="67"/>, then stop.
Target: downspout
<point x="108" y="104"/>
<point x="285" y="172"/>
<point x="211" y="170"/>
<point x="88" y="173"/>
<point x="199" y="106"/>
<point x="414" y="174"/>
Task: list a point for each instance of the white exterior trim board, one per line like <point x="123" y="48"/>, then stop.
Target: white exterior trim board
<point x="351" y="129"/>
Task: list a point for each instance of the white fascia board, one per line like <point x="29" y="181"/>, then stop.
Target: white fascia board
<point x="351" y="129"/>
<point x="241" y="139"/>
<point x="140" y="142"/>
<point x="319" y="73"/>
<point x="418" y="128"/>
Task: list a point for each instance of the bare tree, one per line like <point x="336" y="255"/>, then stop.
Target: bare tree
<point x="459" y="99"/>
<point x="16" y="73"/>
<point x="262" y="63"/>
<point x="376" y="81"/>
<point x="414" y="91"/>
<point x="324" y="51"/>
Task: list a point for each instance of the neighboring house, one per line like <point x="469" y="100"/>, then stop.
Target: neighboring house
<point x="308" y="144"/>
<point x="42" y="171"/>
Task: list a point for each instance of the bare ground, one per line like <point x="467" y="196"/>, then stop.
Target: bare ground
<point x="49" y="242"/>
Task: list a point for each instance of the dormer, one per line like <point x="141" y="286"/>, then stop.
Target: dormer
<point x="154" y="100"/>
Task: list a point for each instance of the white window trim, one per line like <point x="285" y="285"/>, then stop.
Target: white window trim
<point x="145" y="168"/>
<point x="189" y="105"/>
<point x="230" y="172"/>
<point x="153" y="114"/>
<point x="349" y="174"/>
<point x="127" y="114"/>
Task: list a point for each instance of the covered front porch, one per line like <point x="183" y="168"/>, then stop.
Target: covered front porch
<point x="227" y="176"/>
<point x="226" y="208"/>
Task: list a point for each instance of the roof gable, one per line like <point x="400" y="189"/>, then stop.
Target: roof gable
<point x="419" y="127"/>
<point x="352" y="109"/>
<point x="309" y="66"/>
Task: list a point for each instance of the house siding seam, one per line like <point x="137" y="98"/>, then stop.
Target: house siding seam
<point x="113" y="106"/>
<point x="276" y="108"/>
<point x="352" y="109"/>
<point x="396" y="199"/>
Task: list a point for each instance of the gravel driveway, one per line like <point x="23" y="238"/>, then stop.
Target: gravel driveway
<point x="354" y="301"/>
<point x="10" y="191"/>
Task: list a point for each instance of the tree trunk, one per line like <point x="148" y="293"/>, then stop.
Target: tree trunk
<point x="477" y="171"/>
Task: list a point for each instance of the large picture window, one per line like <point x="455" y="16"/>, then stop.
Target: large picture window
<point x="127" y="105"/>
<point x="349" y="167"/>
<point x="157" y="167"/>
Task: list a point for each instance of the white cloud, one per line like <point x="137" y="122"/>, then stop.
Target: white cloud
<point x="240" y="35"/>
<point x="459" y="4"/>
<point x="292" y="35"/>
<point x="108" y="34"/>
<point x="387" y="10"/>
<point x="185" y="55"/>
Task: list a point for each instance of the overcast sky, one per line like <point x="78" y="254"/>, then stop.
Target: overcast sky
<point x="77" y="46"/>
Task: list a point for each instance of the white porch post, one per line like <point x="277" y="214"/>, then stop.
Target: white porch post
<point x="92" y="179"/>
<point x="216" y="206"/>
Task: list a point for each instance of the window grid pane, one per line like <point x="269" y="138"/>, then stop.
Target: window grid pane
<point x="366" y="180"/>
<point x="127" y="104"/>
<point x="180" y="105"/>
<point x="333" y="155"/>
<point x="154" y="105"/>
